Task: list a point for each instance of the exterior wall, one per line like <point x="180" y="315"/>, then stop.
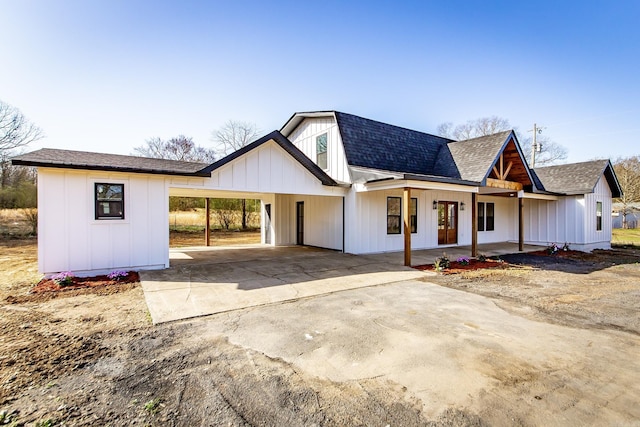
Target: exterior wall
<point x="304" y="137"/>
<point x="601" y="239"/>
<point x="505" y="220"/>
<point x="322" y="220"/>
<point x="368" y="233"/>
<point x="71" y="239"/>
<point x="559" y="221"/>
<point x="570" y="219"/>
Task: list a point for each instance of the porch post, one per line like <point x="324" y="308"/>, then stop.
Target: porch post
<point x="207" y="221"/>
<point x="520" y="224"/>
<point x="406" y="216"/>
<point x="474" y="225"/>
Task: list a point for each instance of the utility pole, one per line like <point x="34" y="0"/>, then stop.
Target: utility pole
<point x="535" y="147"/>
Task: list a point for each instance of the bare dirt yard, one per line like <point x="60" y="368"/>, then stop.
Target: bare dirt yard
<point x="92" y="357"/>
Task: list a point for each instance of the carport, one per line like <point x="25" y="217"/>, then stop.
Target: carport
<point x="300" y="203"/>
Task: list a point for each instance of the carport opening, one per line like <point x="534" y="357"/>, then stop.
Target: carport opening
<point x="231" y="222"/>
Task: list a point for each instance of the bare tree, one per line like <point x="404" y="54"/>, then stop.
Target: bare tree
<point x="232" y="136"/>
<point x="628" y="173"/>
<point x="178" y="148"/>
<point x="15" y="129"/>
<point x="551" y="152"/>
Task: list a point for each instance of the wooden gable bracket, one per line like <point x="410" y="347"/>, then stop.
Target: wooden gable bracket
<point x="501" y="183"/>
<point x="502" y="174"/>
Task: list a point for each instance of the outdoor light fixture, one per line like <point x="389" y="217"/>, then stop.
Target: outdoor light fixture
<point x="435" y="205"/>
<point x="462" y="206"/>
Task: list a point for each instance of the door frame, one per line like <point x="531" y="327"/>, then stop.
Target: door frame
<point x="300" y="223"/>
<point x="446" y="237"/>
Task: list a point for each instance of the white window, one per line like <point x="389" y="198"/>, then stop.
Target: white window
<point x="321" y="151"/>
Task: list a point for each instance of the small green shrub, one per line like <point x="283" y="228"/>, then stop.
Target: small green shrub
<point x="442" y="263"/>
<point x="152" y="406"/>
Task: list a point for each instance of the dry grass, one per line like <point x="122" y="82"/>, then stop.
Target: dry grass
<point x="18" y="265"/>
<point x="13" y="222"/>
<point x="626" y="237"/>
<point x="218" y="238"/>
<point x="180" y="220"/>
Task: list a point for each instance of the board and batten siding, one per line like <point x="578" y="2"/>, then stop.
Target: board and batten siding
<point x="505" y="220"/>
<point x="71" y="239"/>
<point x="267" y="169"/>
<point x="368" y="233"/>
<point x="304" y="137"/>
<point x="571" y="220"/>
<point x="322" y="220"/>
<point x="593" y="237"/>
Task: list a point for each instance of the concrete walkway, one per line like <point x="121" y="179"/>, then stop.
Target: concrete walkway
<point x="209" y="280"/>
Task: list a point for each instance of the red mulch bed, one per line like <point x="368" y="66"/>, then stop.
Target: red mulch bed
<point x="455" y="267"/>
<point x="48" y="285"/>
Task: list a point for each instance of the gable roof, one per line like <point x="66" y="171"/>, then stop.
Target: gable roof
<point x="286" y="145"/>
<point x="577" y="178"/>
<point x="475" y="157"/>
<point x="68" y="159"/>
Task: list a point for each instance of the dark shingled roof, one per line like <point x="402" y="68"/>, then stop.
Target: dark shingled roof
<point x="475" y="157"/>
<point x="53" y="158"/>
<point x="371" y="144"/>
<point x="576" y="178"/>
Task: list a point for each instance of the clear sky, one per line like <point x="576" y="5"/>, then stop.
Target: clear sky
<point x="104" y="75"/>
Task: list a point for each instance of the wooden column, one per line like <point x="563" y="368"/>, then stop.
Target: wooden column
<point x="520" y="224"/>
<point x="207" y="221"/>
<point x="474" y="225"/>
<point x="406" y="219"/>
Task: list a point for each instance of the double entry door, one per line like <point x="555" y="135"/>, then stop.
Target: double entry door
<point x="447" y="223"/>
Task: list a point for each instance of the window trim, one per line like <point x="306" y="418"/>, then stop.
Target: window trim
<point x="598" y="216"/>
<point x="413" y="219"/>
<point x="399" y="215"/>
<point x="97" y="201"/>
<point x="484" y="221"/>
<point x="325" y="152"/>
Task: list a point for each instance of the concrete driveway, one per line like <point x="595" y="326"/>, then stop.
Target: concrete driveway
<point x="203" y="281"/>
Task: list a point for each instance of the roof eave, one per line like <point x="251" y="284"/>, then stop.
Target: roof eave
<point x="19" y="162"/>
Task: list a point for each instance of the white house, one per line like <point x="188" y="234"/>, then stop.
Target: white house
<point x="326" y="179"/>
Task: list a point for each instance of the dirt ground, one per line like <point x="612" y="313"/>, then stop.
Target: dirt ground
<point x="92" y="357"/>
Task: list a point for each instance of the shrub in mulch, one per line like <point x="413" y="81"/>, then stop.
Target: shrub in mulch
<point x="73" y="282"/>
<point x="560" y="253"/>
<point x="456" y="267"/>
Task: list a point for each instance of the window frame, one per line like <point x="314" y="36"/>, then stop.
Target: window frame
<point x="98" y="201"/>
<point x="325" y="152"/>
<point x="598" y="216"/>
<point x="398" y="216"/>
<point x="486" y="221"/>
<point x="481" y="216"/>
<point x="413" y="218"/>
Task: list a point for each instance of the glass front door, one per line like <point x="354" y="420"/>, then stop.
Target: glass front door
<point x="447" y="223"/>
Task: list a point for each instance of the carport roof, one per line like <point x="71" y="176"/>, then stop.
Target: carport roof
<point x="68" y="159"/>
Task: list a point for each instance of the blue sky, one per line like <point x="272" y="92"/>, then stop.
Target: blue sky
<point x="104" y="75"/>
